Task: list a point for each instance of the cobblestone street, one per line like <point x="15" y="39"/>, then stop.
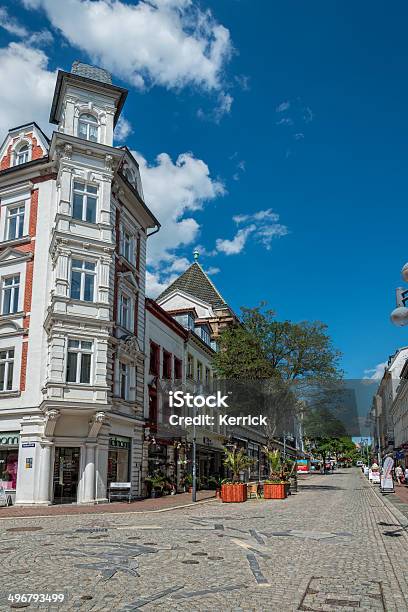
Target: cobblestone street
<point x="333" y="546"/>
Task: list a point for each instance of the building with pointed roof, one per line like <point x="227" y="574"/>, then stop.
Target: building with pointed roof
<point x="194" y="293"/>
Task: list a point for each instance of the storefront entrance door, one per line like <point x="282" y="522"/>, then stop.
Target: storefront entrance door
<point x="66" y="475"/>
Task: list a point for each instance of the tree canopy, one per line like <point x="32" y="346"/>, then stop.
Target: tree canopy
<point x="261" y="347"/>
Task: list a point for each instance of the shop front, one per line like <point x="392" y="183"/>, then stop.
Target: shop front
<point x="119" y="459"/>
<point x="66" y="475"/>
<point x="9" y="444"/>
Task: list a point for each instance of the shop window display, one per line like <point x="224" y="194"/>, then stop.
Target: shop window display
<point x="118" y="459"/>
<point x="8" y="468"/>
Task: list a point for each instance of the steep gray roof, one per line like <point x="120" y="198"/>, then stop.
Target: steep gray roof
<point x="91" y="72"/>
<point x="196" y="283"/>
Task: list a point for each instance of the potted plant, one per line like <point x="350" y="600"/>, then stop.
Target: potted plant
<point x="188" y="482"/>
<point x="276" y="487"/>
<point x="232" y="490"/>
<point x="157" y="484"/>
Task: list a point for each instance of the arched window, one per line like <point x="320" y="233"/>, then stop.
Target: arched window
<point x="22" y="155"/>
<point x="88" y="127"/>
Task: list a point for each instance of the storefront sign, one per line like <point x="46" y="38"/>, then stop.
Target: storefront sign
<point x="302" y="465"/>
<point x="119" y="442"/>
<point x="375" y="477"/>
<point x="387" y="484"/>
<point x="9" y="438"/>
<point x="28" y="445"/>
<point x="120" y="485"/>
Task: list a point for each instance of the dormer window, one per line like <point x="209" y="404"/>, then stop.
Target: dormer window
<point x="22" y="155"/>
<point x="88" y="127"/>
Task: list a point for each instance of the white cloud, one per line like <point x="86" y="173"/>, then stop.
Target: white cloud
<point x="262" y="225"/>
<point x="180" y="264"/>
<point x="40" y="38"/>
<point x="212" y="270"/>
<point x="285" y="121"/>
<point x="174" y="190"/>
<point x="283" y="106"/>
<point x="123" y="129"/>
<point x="308" y="115"/>
<point x="260" y="215"/>
<point x="11" y="25"/>
<point x="243" y="81"/>
<point x="236" y="245"/>
<point x="27" y="96"/>
<point x="167" y="42"/>
<point x="375" y="373"/>
<point x="223" y="107"/>
<point x="154" y="286"/>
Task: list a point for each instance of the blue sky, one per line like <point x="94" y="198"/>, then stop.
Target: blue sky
<point x="299" y="108"/>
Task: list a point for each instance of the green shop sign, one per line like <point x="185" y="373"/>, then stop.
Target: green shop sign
<point x="9" y="438"/>
<point x="119" y="442"/>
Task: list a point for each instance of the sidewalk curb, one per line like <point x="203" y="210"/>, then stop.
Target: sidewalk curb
<point x="46" y="516"/>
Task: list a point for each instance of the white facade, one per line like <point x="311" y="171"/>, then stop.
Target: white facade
<point x="389" y="399"/>
<point x="76" y="330"/>
<point x="399" y="407"/>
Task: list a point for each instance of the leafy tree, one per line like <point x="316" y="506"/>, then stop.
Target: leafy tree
<point x="323" y="448"/>
<point x="241" y="356"/>
<point x="262" y="347"/>
<point x="282" y="357"/>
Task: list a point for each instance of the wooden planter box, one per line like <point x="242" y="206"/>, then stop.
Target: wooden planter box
<point x="274" y="490"/>
<point x="233" y="493"/>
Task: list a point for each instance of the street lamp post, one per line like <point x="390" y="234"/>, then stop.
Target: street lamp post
<point x="194" y="462"/>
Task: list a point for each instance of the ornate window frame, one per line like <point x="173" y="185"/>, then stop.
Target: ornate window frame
<point x="21" y="142"/>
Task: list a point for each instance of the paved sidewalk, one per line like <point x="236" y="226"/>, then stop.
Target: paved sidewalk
<point x="400" y="499"/>
<point x="144" y="505"/>
<point x="336" y="546"/>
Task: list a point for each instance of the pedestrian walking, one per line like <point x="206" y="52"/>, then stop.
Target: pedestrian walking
<point x="406" y="476"/>
<point x="399" y="473"/>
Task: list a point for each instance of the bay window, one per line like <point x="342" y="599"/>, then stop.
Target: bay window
<point x="84" y="203"/>
<point x="79" y="361"/>
<point x="83" y="280"/>
<point x="88" y="127"/>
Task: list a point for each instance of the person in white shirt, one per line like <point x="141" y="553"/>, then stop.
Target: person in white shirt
<point x="406" y="476"/>
<point x="399" y="473"/>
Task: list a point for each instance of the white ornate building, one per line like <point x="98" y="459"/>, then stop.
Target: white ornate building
<point x="73" y="229"/>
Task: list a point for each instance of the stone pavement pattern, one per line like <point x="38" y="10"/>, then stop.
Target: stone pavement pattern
<point x="333" y="546"/>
